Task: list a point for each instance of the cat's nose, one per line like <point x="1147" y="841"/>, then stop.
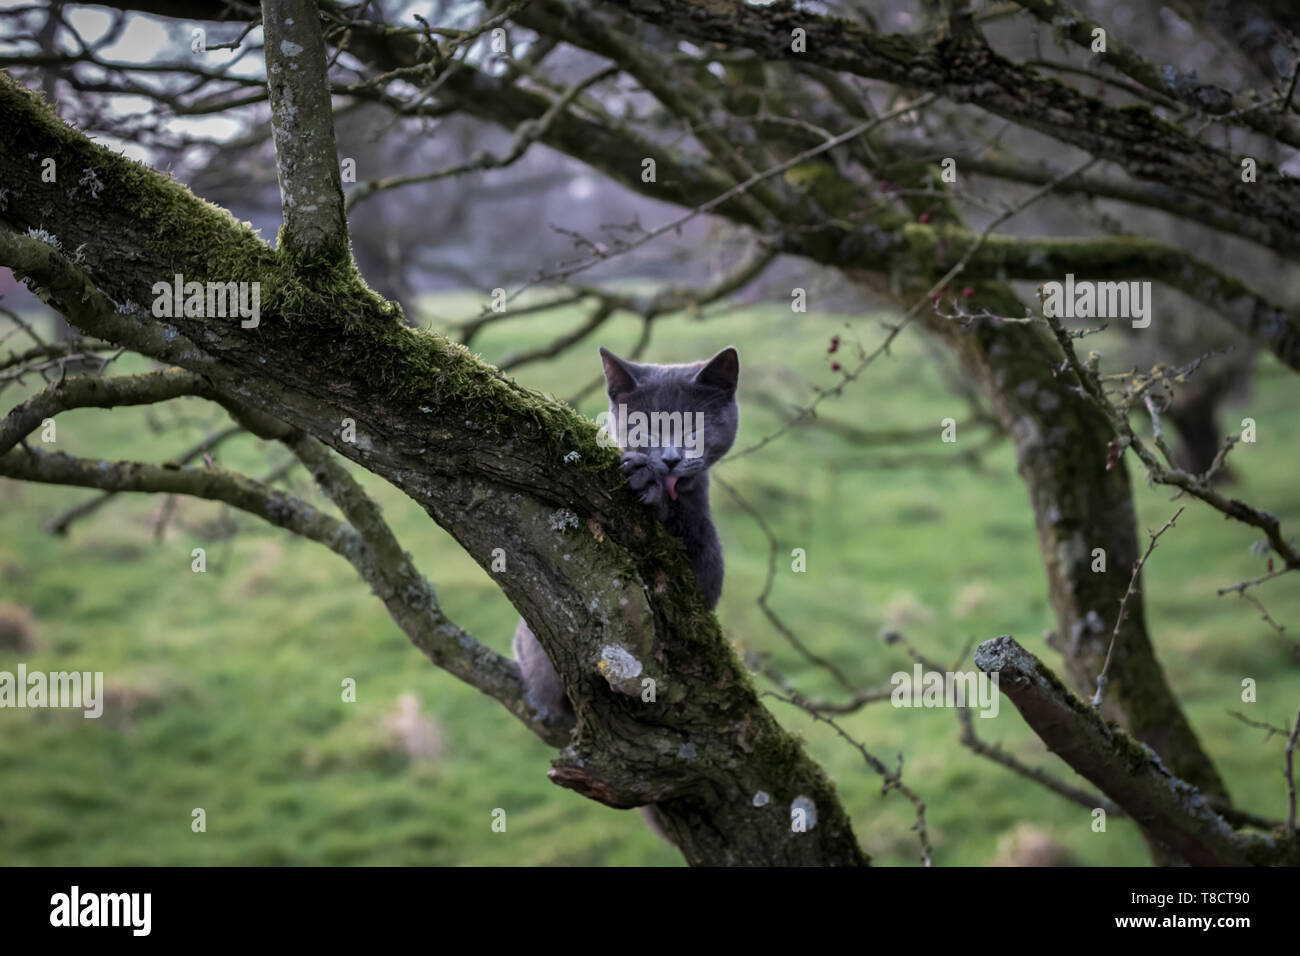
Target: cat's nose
<point x="671" y="458"/>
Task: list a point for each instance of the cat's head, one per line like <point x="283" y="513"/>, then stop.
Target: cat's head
<point x="684" y="417"/>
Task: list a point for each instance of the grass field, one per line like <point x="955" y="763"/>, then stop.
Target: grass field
<point x="225" y="686"/>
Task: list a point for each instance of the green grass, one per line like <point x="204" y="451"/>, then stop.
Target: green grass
<point x="226" y="684"/>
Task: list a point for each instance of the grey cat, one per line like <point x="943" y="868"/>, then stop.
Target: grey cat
<point x="667" y="466"/>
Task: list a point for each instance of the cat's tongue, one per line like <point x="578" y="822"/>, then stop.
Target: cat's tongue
<point x="670" y="482"/>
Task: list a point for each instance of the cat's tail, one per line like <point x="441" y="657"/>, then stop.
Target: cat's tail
<point x="651" y="816"/>
<point x="545" y="689"/>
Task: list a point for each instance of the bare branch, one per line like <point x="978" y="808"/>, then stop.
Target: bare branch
<point x="1172" y="811"/>
<point x="302" y="118"/>
<point x="1165" y="81"/>
<point x="526" y="134"/>
<point x="1289" y="766"/>
<point x="740" y="189"/>
<point x="214" y="484"/>
<point x="92" y="391"/>
<point x="963" y="67"/>
<point x="974" y="246"/>
<point x="784" y="629"/>
<point x="1123" y="605"/>
<point x="410" y="599"/>
<point x="1195" y="485"/>
<point x="61" y="522"/>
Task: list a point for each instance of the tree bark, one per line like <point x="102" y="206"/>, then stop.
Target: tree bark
<point x="1166" y="807"/>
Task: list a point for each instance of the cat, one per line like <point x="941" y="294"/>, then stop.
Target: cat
<point x="667" y="467"/>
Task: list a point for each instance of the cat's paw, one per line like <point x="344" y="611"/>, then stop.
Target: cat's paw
<point x="643" y="479"/>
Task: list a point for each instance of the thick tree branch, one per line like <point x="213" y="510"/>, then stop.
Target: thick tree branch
<point x="1210" y="214"/>
<point x="1265" y="322"/>
<point x="302" y="120"/>
<point x="1184" y="87"/>
<point x="964" y="69"/>
<point x="1168" y="808"/>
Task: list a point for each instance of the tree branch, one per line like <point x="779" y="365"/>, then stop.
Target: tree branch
<point x="964" y="69"/>
<point x="92" y="391"/>
<point x="302" y="120"/>
<point x="214" y="484"/>
<point x="1168" y="808"/>
<point x="410" y="600"/>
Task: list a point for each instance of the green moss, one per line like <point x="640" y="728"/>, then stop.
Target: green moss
<point x="842" y="197"/>
<point x="921" y="243"/>
<point x="173" y="217"/>
<point x="822" y="181"/>
<point x="1145" y="117"/>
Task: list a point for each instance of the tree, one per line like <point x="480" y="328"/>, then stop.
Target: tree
<point x="784" y="145"/>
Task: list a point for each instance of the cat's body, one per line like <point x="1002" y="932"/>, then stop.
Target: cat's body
<point x="671" y="475"/>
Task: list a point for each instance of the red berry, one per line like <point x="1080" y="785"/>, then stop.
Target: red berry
<point x="835" y="366"/>
<point x="968" y="292"/>
<point x="835" y="344"/>
<point x="924" y="217"/>
<point x="935" y="297"/>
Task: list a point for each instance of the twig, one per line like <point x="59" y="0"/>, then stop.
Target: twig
<point x="1290" y="754"/>
<point x="1273" y="730"/>
<point x="736" y="190"/>
<point x="771" y="615"/>
<point x="1123" y="604"/>
<point x="1268" y="618"/>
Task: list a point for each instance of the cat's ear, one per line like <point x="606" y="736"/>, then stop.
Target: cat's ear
<point x="619" y="378"/>
<point x="722" y="371"/>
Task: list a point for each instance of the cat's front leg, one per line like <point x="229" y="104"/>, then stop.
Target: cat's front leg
<point x="645" y="481"/>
